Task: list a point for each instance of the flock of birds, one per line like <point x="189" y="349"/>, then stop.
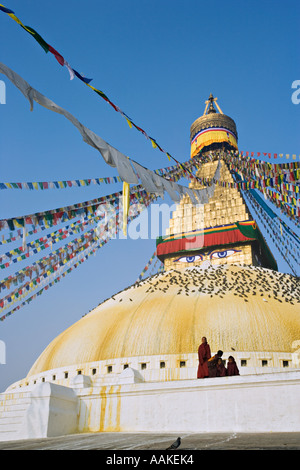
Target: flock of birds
<point x="241" y="281"/>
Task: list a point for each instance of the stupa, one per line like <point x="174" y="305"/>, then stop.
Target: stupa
<point x="131" y="363"/>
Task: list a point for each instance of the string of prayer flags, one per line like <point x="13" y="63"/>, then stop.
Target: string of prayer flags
<point x="43" y="185"/>
<point x="112" y="156"/>
<point x="50" y="284"/>
<point x="173" y="171"/>
<point x="53" y="217"/>
<point x="146" y="267"/>
<point x="60" y="59"/>
<point x="92" y="244"/>
<point x="285" y="244"/>
<point x="63" y="214"/>
<point x="270" y="155"/>
<point x="42" y="243"/>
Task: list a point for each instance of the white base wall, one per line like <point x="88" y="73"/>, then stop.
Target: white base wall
<point x="46" y="410"/>
<point x="256" y="403"/>
<point x="13" y="407"/>
<point x="252" y="403"/>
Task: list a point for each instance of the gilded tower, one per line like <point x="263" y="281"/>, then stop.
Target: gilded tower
<point x="221" y="231"/>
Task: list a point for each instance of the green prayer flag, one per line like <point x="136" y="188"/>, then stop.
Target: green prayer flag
<point x="38" y="38"/>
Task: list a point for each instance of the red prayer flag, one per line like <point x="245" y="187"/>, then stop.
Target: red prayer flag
<point x="57" y="55"/>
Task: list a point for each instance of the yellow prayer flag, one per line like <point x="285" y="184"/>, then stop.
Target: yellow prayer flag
<point x="126" y="202"/>
<point x="129" y="123"/>
<point x="153" y="144"/>
<point x="91" y="86"/>
<point x="14" y="17"/>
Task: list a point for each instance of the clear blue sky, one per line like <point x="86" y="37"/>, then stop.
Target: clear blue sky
<point x="158" y="60"/>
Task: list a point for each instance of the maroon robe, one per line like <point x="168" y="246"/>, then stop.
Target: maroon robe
<point x="221" y="370"/>
<point x="232" y="368"/>
<point x="203" y="356"/>
<point x="212" y="366"/>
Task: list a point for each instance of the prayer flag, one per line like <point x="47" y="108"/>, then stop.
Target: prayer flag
<point x="85" y="80"/>
<point x="57" y="55"/>
<point x="38" y="38"/>
<point x="126" y="202"/>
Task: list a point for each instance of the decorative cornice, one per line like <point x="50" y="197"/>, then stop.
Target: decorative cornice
<point x="213" y="120"/>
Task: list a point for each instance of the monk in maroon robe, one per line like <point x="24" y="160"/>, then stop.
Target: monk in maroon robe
<point x="232" y="368"/>
<point x="203" y="356"/>
<point x="221" y="369"/>
<point x="212" y="364"/>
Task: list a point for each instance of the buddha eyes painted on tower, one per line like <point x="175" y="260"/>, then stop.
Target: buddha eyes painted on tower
<point x="215" y="254"/>
<point x="222" y="253"/>
<point x="190" y="259"/>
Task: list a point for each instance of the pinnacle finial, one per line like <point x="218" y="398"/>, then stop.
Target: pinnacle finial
<point x="211" y="101"/>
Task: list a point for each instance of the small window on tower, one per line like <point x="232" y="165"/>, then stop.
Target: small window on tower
<point x="182" y="364"/>
<point x="109" y="369"/>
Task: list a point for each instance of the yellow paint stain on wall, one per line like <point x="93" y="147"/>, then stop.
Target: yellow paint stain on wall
<point x="102" y="408"/>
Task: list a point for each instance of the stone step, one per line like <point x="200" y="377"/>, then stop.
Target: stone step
<point x="11" y="420"/>
<point x="9" y="435"/>
<point x="13" y="407"/>
<point x="11" y="413"/>
<point x="14" y="402"/>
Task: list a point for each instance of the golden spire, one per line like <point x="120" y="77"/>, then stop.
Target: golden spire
<point x="211" y="100"/>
